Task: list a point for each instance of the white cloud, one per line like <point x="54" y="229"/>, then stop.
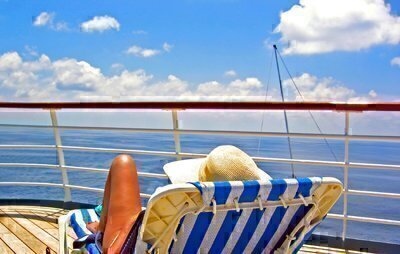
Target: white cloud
<point x="60" y="26"/>
<point x="117" y="67"/>
<point x="43" y="19"/>
<point x="167" y="47"/>
<point x="373" y="94"/>
<point x="313" y="88"/>
<point x="142" y="52"/>
<point x="69" y="79"/>
<point x="70" y="74"/>
<point x="395" y="61"/>
<point x="138" y="51"/>
<point x="47" y="19"/>
<point x="237" y="88"/>
<point x="10" y="61"/>
<point x="100" y="24"/>
<point x="230" y="73"/>
<point x="320" y="26"/>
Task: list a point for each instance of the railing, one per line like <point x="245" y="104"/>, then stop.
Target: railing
<point x="174" y="107"/>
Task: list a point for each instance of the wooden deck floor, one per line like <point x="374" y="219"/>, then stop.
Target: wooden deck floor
<point x="34" y="229"/>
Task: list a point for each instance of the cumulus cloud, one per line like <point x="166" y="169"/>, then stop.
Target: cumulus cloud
<point x="142" y="52"/>
<point x="138" y="51"/>
<point x="10" y="61"/>
<point x="60" y="26"/>
<point x="230" y="73"/>
<point x="167" y="47"/>
<point x="47" y="19"/>
<point x="69" y="79"/>
<point x="117" y="67"/>
<point x="395" y="61"/>
<point x="100" y="24"/>
<point x="44" y="18"/>
<point x="313" y="88"/>
<point x="320" y="26"/>
<point x="246" y="87"/>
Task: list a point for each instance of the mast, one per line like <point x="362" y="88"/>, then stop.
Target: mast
<point x="284" y="111"/>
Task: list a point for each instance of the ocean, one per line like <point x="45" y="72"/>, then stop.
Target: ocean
<point x="359" y="179"/>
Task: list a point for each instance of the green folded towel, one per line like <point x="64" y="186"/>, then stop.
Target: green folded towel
<point x="98" y="209"/>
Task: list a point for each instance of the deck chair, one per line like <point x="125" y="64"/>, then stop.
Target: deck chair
<point x="273" y="216"/>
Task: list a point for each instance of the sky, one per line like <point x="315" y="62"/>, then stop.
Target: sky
<point x="198" y="50"/>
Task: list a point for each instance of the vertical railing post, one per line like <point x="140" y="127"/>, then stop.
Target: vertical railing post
<point x="346" y="173"/>
<point x="175" y="125"/>
<point x="60" y="156"/>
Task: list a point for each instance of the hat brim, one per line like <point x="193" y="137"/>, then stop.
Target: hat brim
<point x="184" y="171"/>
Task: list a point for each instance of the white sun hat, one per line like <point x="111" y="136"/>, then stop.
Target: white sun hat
<point x="224" y="163"/>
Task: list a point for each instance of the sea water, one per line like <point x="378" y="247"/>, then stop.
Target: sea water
<point x="311" y="149"/>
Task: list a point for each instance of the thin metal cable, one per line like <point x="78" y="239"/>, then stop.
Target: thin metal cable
<point x="284" y="111"/>
<point x="266" y="96"/>
<point x="312" y="116"/>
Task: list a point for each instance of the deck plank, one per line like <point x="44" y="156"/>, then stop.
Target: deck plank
<point x="51" y="219"/>
<point x="36" y="219"/>
<point x="54" y="224"/>
<point x="49" y="225"/>
<point x="327" y="250"/>
<point x="24" y="235"/>
<point x="4" y="248"/>
<point x="13" y="242"/>
<point x="50" y="228"/>
<point x="39" y="233"/>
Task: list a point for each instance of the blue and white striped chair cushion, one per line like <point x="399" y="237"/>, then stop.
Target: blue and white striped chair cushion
<point x="78" y="221"/>
<point x="249" y="230"/>
<point x="79" y="218"/>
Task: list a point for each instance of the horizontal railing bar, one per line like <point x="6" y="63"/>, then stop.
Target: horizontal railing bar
<point x="37" y="165"/>
<point x="144" y="195"/>
<point x="271" y="160"/>
<point x="153" y="175"/>
<point x="210" y="132"/>
<point x="78" y="187"/>
<point x="31" y="184"/>
<point x="374" y="166"/>
<point x="59" y="185"/>
<point x="94" y="128"/>
<point x="373" y="194"/>
<point x="28" y="165"/>
<point x="27" y="147"/>
<point x="142" y="174"/>
<point x="363" y="219"/>
<point x="101" y="170"/>
<point x="301" y="162"/>
<point x="116" y="150"/>
<point x="213" y="105"/>
<point x="197" y="155"/>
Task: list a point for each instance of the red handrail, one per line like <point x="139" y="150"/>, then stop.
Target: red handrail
<point x="324" y="106"/>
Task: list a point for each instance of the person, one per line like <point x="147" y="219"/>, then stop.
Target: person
<point x="122" y="205"/>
